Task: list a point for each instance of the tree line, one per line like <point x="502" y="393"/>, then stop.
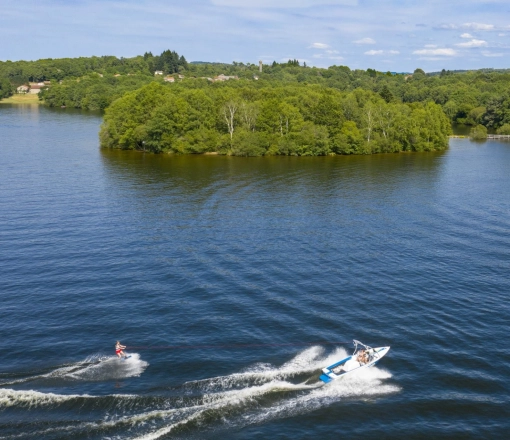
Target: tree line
<point x="472" y="97"/>
<point x="468" y="97"/>
<point x="92" y="92"/>
<point x="249" y="120"/>
<point x="55" y="70"/>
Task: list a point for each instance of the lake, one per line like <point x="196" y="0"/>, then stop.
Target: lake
<point x="233" y="281"/>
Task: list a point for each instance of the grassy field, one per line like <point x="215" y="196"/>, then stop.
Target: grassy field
<point x="21" y="99"/>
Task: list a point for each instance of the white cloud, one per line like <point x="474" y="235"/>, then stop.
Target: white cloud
<point x="501" y="35"/>
<point x="443" y="52"/>
<point x="431" y="58"/>
<point x="447" y="26"/>
<point x="479" y="26"/>
<point x="466" y="35"/>
<point x="327" y="54"/>
<point x="327" y="57"/>
<point x="282" y="3"/>
<point x="366" y="40"/>
<point x="486" y="53"/>
<point x="382" y="52"/>
<point x="319" y="46"/>
<point x="473" y="43"/>
<point x="431" y="45"/>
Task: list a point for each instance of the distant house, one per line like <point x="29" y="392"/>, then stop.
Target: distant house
<point x="181" y="76"/>
<point x="22" y="89"/>
<point x="35" y="88"/>
<point x="255" y="77"/>
<point x="158" y="72"/>
<point x="224" y="77"/>
<point x="117" y="74"/>
<point x="169" y="79"/>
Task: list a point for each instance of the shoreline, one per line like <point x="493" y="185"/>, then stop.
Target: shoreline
<point x="21" y="99"/>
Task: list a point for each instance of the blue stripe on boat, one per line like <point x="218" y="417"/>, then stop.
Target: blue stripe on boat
<point x="325" y="378"/>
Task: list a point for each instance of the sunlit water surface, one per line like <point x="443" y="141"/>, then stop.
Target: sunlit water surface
<point x="238" y="279"/>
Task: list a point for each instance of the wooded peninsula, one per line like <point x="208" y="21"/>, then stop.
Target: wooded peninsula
<point x="165" y="104"/>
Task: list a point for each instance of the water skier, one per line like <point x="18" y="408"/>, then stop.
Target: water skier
<point x="118" y="350"/>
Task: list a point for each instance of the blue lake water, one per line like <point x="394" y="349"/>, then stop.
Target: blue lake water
<point x="235" y="280"/>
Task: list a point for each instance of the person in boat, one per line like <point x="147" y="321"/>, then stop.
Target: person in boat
<point x="362" y="357"/>
<point x="119" y="350"/>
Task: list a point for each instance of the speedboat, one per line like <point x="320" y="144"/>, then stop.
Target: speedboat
<point x="363" y="357"/>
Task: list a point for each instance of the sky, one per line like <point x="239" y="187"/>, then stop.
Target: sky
<point x="394" y="35"/>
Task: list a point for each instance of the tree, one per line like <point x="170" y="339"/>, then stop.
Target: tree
<point x="6" y="89"/>
<point x="280" y="118"/>
<point x="350" y="108"/>
<point x="228" y="111"/>
<point x="328" y="112"/>
<point x="450" y="109"/>
<point x="313" y="140"/>
<point x="478" y="133"/>
<point x="504" y="129"/>
<point x="384" y="116"/>
<point x="429" y="128"/>
<point x="248" y="113"/>
<point x="386" y="94"/>
<point x="349" y="140"/>
<point x="475" y="116"/>
<point x="372" y="72"/>
<point x="369" y="120"/>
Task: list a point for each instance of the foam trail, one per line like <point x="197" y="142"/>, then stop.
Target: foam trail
<point x="259" y="393"/>
<point x="59" y="372"/>
<point x="270" y="380"/>
<point x="29" y="399"/>
<point x="363" y="384"/>
<point x="111" y="368"/>
<point x="94" y="368"/>
<point x="308" y="361"/>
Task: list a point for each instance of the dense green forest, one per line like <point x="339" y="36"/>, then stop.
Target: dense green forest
<point x="472" y="97"/>
<point x="89" y="83"/>
<point x="478" y="98"/>
<point x="21" y="72"/>
<point x="249" y="120"/>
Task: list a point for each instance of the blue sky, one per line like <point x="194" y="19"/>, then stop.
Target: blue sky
<point x="394" y="35"/>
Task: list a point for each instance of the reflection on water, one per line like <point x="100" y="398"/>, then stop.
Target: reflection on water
<point x="343" y="176"/>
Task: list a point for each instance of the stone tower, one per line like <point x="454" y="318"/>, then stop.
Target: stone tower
<point x="260" y="66"/>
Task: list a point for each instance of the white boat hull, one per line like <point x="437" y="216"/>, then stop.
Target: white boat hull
<point x="350" y="365"/>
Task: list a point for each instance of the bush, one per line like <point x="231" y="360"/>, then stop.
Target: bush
<point x="504" y="129"/>
<point x="249" y="143"/>
<point x="478" y="133"/>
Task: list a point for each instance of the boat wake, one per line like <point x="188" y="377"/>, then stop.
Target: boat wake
<point x="94" y="368"/>
<point x="260" y="393"/>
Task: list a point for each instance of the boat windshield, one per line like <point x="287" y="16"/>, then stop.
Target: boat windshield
<point x="358" y="343"/>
